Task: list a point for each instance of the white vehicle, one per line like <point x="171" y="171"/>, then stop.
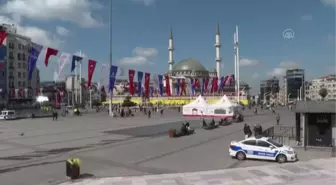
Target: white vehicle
<point x="262" y="148"/>
<point x="8" y="114"/>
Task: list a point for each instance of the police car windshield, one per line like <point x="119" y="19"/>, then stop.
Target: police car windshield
<point x="274" y="143"/>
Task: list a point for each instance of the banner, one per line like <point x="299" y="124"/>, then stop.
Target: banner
<point x="168" y="93"/>
<point x="113" y="73"/>
<point x="147" y="79"/>
<point x="214" y="86"/>
<point x="3" y="36"/>
<point x="206" y="84"/>
<point x="225" y="81"/>
<point x="160" y="78"/>
<point x="74" y="60"/>
<point x="131" y="74"/>
<point x="62" y="61"/>
<point x="34" y="54"/>
<point x="151" y="90"/>
<point x="91" y="68"/>
<point x="231" y="79"/>
<point x="139" y="84"/>
<point x="46" y="53"/>
<point x="178" y="87"/>
<point x="183" y="91"/>
<point x="192" y="87"/>
<point x="156" y="83"/>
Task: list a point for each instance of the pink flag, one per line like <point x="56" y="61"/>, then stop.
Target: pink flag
<point x="91" y="68"/>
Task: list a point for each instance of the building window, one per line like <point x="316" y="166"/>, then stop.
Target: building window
<point x="19" y="56"/>
<point x="19" y="83"/>
<point x="19" y="64"/>
<point x="11" y="55"/>
<point x="23" y="84"/>
<point x="19" y="74"/>
<point x="24" y="74"/>
<point x="24" y="65"/>
<point x="23" y="57"/>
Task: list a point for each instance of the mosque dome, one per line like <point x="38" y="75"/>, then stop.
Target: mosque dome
<point x="189" y="67"/>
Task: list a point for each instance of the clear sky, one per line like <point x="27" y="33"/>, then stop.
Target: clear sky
<point x="140" y="30"/>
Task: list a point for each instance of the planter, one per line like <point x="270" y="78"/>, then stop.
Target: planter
<point x="73" y="168"/>
<point x="172" y="133"/>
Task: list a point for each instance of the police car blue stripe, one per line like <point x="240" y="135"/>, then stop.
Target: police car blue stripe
<point x="255" y="152"/>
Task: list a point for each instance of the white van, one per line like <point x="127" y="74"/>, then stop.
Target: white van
<point x="7" y="115"/>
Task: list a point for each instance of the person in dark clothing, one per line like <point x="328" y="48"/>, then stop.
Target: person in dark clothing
<point x="278" y="119"/>
<point x="255" y="111"/>
<point x="122" y="113"/>
<point x="204" y="124"/>
<point x="257" y="130"/>
<point x="149" y="114"/>
<point x="212" y="123"/>
<point x="273" y="110"/>
<point x="184" y="129"/>
<point x="247" y="131"/>
<point x="161" y="112"/>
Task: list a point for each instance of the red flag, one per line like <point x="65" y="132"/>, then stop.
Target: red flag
<point x="183" y="91"/>
<point x="167" y="85"/>
<point x="196" y="83"/>
<point x="214" y="84"/>
<point x="206" y="82"/>
<point x="147" y="78"/>
<point x="13" y="93"/>
<point x="131" y="89"/>
<point x="37" y="91"/>
<point x="3" y="36"/>
<point x="21" y="93"/>
<point x="91" y="68"/>
<point x="226" y="79"/>
<point x="49" y="53"/>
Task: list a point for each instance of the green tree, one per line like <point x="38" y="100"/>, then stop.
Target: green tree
<point x="128" y="102"/>
<point x="323" y="93"/>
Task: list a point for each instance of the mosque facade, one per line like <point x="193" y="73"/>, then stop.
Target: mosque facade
<point x="191" y="68"/>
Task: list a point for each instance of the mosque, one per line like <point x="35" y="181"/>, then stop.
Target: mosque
<point x="192" y="68"/>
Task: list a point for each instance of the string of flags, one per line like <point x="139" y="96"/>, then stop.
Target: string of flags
<point x="39" y="54"/>
<point x="161" y="83"/>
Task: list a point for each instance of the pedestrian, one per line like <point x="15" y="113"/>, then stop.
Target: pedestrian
<point x="247" y="131"/>
<point x="149" y="114"/>
<point x="278" y="119"/>
<point x="273" y="110"/>
<point x="255" y="111"/>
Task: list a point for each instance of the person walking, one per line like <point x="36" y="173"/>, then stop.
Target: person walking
<point x="278" y="119"/>
<point x="255" y="111"/>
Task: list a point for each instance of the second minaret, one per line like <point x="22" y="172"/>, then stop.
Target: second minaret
<point x="218" y="58"/>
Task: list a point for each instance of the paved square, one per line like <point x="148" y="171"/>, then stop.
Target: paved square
<point x="33" y="152"/>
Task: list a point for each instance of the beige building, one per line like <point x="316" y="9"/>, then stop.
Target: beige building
<point x="16" y="63"/>
<point x="327" y="82"/>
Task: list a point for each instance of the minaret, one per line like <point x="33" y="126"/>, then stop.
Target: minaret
<point x="171" y="50"/>
<point x="218" y="58"/>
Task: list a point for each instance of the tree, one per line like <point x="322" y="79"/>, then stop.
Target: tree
<point x="128" y="102"/>
<point x="323" y="93"/>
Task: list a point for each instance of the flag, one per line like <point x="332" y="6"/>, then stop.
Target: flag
<point x="102" y="76"/>
<point x="183" y="91"/>
<point x="160" y="78"/>
<point x="225" y="80"/>
<point x="3" y="36"/>
<point x="113" y="73"/>
<point x="151" y="89"/>
<point x="34" y="54"/>
<point x="121" y="72"/>
<point x="214" y="86"/>
<point x="48" y="53"/>
<point x="74" y="60"/>
<point x="91" y="68"/>
<point x="231" y="79"/>
<point x="221" y="83"/>
<point x="147" y="79"/>
<point x="192" y="88"/>
<point x="206" y="84"/>
<point x="178" y="87"/>
<point x="167" y="85"/>
<point x="131" y="73"/>
<point x="62" y="61"/>
<point x="156" y="82"/>
<point x="140" y="76"/>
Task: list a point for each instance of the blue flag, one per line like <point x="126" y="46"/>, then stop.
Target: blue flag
<point x="140" y="76"/>
<point x="192" y="88"/>
<point x="74" y="60"/>
<point x="161" y="84"/>
<point x="151" y="90"/>
<point x="113" y="73"/>
<point x="32" y="61"/>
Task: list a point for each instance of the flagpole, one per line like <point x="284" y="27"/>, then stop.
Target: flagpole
<point x="238" y="66"/>
<point x="235" y="62"/>
<point x="80" y="79"/>
<point x="110" y="57"/>
<point x="76" y="84"/>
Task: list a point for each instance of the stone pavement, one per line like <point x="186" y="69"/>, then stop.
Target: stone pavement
<point x="307" y="173"/>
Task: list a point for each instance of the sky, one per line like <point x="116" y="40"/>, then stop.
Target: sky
<point x="140" y="31"/>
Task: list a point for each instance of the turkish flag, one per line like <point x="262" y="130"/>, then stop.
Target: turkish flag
<point x="167" y="85"/>
<point x="3" y="36"/>
<point x="131" y="89"/>
<point x="147" y="78"/>
<point x="91" y="68"/>
<point x="49" y="53"/>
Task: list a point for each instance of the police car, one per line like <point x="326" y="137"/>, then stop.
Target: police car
<point x="262" y="148"/>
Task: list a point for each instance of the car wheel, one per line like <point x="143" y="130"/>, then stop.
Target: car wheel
<point x="241" y="156"/>
<point x="281" y="158"/>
